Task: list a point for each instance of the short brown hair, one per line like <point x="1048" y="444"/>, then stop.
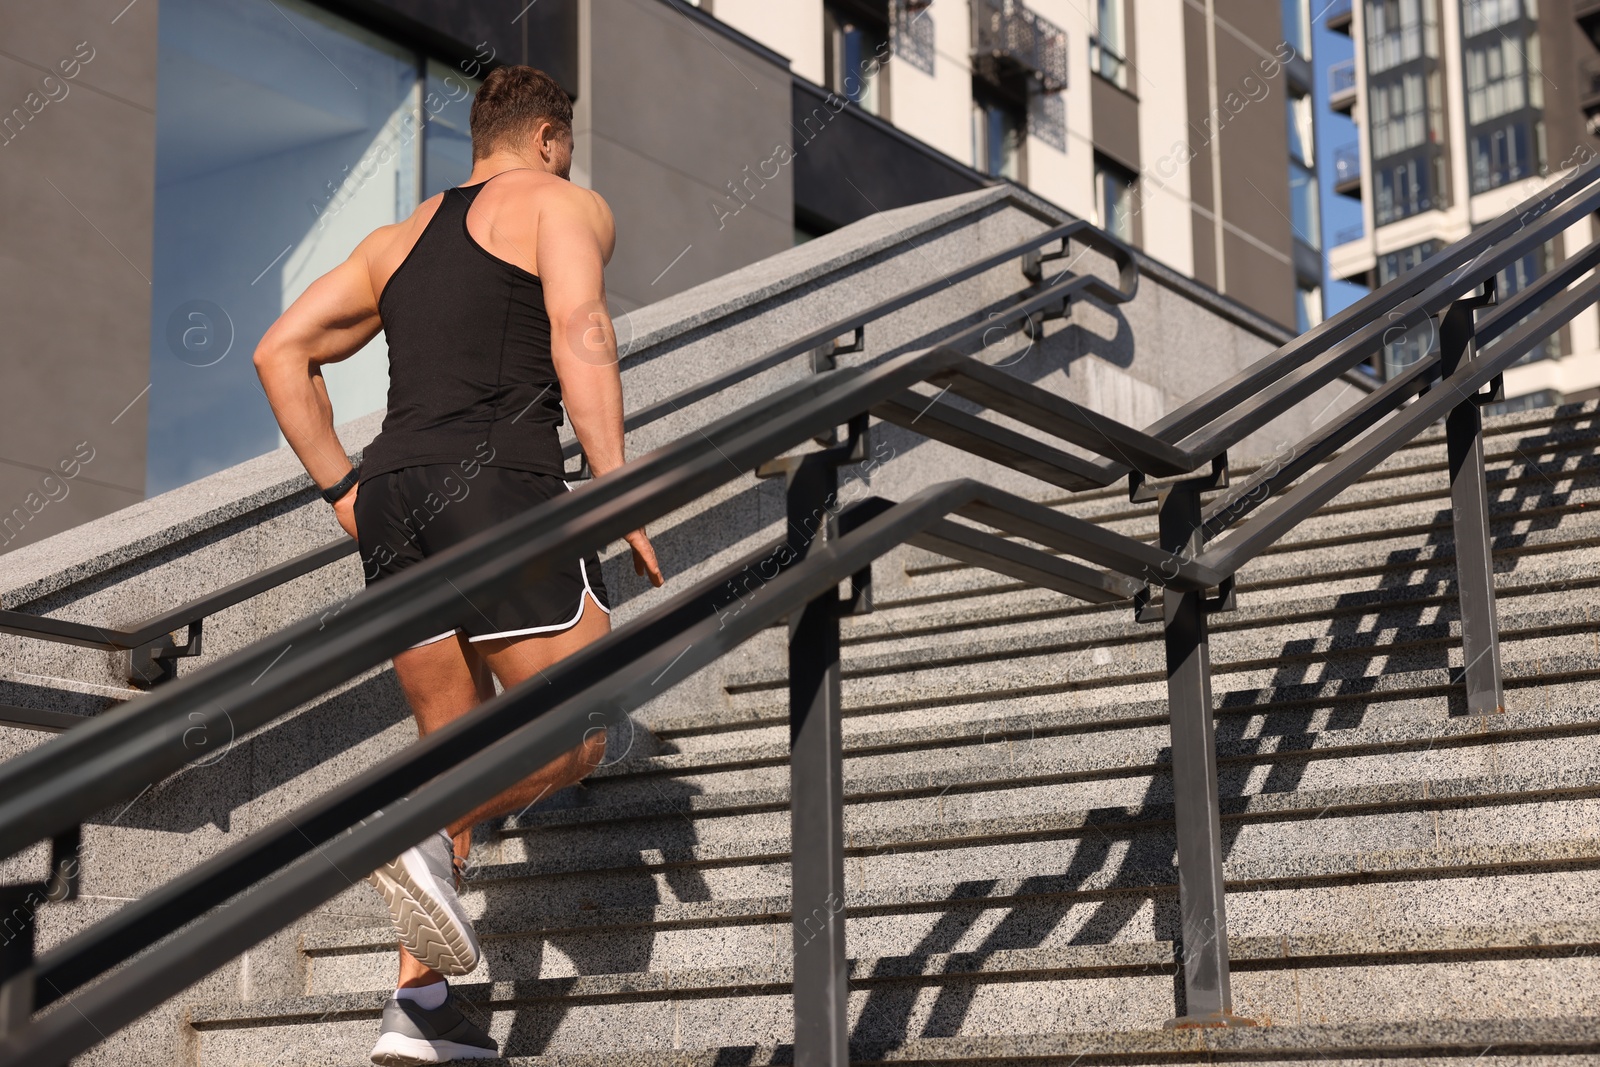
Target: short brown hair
<point x="513" y="101"/>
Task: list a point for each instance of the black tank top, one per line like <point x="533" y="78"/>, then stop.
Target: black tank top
<point x="470" y="373"/>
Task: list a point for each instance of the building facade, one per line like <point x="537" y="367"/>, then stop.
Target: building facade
<point x="1464" y="108"/>
<point x="177" y="171"/>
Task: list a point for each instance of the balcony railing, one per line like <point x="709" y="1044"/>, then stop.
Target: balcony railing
<point x="1346" y="167"/>
<point x="1009" y="40"/>
<point x="1342" y="77"/>
<point x="1348" y="234"/>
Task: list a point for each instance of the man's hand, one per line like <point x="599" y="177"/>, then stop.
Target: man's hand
<point x="344" y="509"/>
<point x="644" y="557"/>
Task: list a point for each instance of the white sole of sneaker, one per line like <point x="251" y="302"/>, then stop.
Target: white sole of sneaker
<point x="398" y="1050"/>
<point x="428" y="928"/>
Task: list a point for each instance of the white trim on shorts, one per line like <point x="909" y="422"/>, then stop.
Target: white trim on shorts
<point x="588" y="591"/>
<point x="431" y="640"/>
<point x="569" y="624"/>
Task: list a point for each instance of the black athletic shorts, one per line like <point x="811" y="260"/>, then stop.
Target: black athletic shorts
<point x="407" y="515"/>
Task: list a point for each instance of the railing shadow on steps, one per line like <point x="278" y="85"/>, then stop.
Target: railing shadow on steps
<point x="156" y="946"/>
<point x="1285" y="732"/>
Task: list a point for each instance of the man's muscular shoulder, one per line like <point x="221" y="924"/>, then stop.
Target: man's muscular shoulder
<point x="569" y="201"/>
<point x="592" y="207"/>
<point x="384" y="248"/>
<point x="605" y="224"/>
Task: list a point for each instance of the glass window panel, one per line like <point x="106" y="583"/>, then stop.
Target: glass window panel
<point x="280" y="143"/>
<point x="1110" y="52"/>
<point x="1535" y="72"/>
<point x="1480" y="16"/>
<point x="1399" y="116"/>
<point x="1301" y="128"/>
<point x="447" y="130"/>
<point x="1303" y="211"/>
<point x="1516" y="277"/>
<point x="849" y="52"/>
<point x="1111" y="26"/>
<point x="1297" y="26"/>
<point x="1408" y="340"/>
<point x="1115" y="191"/>
<point x="1395" y="33"/>
<point x="1496" y="83"/>
<point x="1394" y="264"/>
<point x="997" y="139"/>
<point x="1307" y="305"/>
<point x="1503" y="154"/>
<point x="1403" y="190"/>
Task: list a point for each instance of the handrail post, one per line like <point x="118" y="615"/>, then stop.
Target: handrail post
<point x="816" y="787"/>
<point x="16" y="959"/>
<point x="1469" y="515"/>
<point x="1197" y="808"/>
<point x="17" y="974"/>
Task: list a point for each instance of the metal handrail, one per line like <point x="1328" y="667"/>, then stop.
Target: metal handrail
<point x="45" y="792"/>
<point x="271" y="878"/>
<point x="1423" y="291"/>
<point x="152" y="637"/>
<point x="472" y="759"/>
<point x="1217" y="401"/>
<point x="1085" y="427"/>
<point x="1127" y="285"/>
<point x="657" y="484"/>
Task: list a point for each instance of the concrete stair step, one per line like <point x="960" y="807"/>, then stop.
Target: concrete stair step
<point x="1139" y="672"/>
<point x="1332" y="542"/>
<point x="977" y="915"/>
<point x="1518" y="481"/>
<point x="991" y="729"/>
<point x="1363" y="805"/>
<point x="1237" y="643"/>
<point x="1373" y="553"/>
<point x="1537" y="972"/>
<point x="1287" y="831"/>
<point x="1504" y="444"/>
<point x="1066" y="752"/>
<point x="1023" y="611"/>
<point x="984" y="737"/>
<point x="1533" y="683"/>
<point x="1410" y="475"/>
<point x="1401" y="1043"/>
<point x="1002" y="604"/>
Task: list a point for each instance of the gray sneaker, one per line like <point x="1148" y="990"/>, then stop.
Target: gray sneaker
<point x="419" y="887"/>
<point x="415" y="1035"/>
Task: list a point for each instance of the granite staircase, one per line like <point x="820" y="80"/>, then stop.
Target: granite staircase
<point x="1406" y="883"/>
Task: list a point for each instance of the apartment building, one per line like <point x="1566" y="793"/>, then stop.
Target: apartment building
<point x="177" y="171"/>
<point x="1462" y="109"/>
<point x="1184" y="126"/>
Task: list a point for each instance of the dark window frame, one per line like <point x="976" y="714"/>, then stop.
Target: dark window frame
<point x="842" y="57"/>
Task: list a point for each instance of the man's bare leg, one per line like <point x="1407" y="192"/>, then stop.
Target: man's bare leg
<point x="448" y="678"/>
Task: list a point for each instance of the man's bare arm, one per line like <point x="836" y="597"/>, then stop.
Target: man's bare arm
<point x="583" y="345"/>
<point x="575" y="240"/>
<point x="330" y="321"/>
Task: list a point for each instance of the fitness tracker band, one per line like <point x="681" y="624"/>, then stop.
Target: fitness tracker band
<point x="335" y="492"/>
